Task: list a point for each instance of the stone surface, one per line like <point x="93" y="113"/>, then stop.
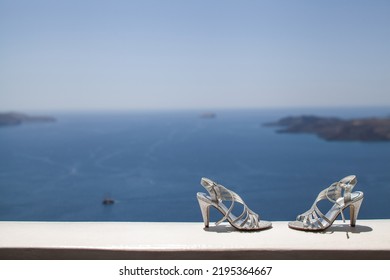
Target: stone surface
<point x="121" y="240"/>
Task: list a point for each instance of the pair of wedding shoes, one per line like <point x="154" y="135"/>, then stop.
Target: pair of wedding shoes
<point x="339" y="193"/>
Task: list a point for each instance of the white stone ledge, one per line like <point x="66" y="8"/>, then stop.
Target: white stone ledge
<point x="370" y="239"/>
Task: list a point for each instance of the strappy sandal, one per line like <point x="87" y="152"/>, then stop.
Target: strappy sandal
<point x="341" y="195"/>
<point x="218" y="194"/>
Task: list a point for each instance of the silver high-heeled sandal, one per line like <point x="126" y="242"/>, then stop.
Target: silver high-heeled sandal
<point x="340" y="193"/>
<point x="247" y="220"/>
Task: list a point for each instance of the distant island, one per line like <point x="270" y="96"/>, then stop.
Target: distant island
<point x="208" y="115"/>
<point x="7" y="119"/>
<point x="336" y="129"/>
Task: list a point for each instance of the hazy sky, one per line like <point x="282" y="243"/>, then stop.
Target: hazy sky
<point x="193" y="54"/>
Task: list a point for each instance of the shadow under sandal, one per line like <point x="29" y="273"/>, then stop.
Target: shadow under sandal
<point x="218" y="194"/>
<point x="340" y="193"/>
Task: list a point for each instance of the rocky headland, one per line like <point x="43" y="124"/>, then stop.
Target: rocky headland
<point x="7" y="119"/>
<point x="336" y="129"/>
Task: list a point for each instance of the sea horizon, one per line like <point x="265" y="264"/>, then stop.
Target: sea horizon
<point x="374" y="109"/>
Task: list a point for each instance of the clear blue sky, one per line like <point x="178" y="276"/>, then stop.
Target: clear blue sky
<point x="87" y="55"/>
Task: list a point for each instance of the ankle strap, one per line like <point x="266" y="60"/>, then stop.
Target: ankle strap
<point x="210" y="186"/>
<point x="342" y="188"/>
<point x="347" y="184"/>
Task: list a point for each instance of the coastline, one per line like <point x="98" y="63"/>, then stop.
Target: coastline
<point x="336" y="129"/>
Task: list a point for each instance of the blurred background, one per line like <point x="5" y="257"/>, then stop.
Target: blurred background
<point x="122" y="106"/>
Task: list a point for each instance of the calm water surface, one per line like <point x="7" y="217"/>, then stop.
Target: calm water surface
<point x="151" y="164"/>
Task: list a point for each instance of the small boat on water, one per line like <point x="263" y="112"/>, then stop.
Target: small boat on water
<point x="108" y="201"/>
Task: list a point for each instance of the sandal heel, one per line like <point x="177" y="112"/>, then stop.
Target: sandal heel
<point x="205" y="209"/>
<point x="354" y="211"/>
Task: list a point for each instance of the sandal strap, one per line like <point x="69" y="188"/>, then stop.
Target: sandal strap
<point x="342" y="188"/>
<point x="218" y="194"/>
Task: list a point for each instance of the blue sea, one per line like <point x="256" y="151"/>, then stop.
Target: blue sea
<point x="151" y="164"/>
